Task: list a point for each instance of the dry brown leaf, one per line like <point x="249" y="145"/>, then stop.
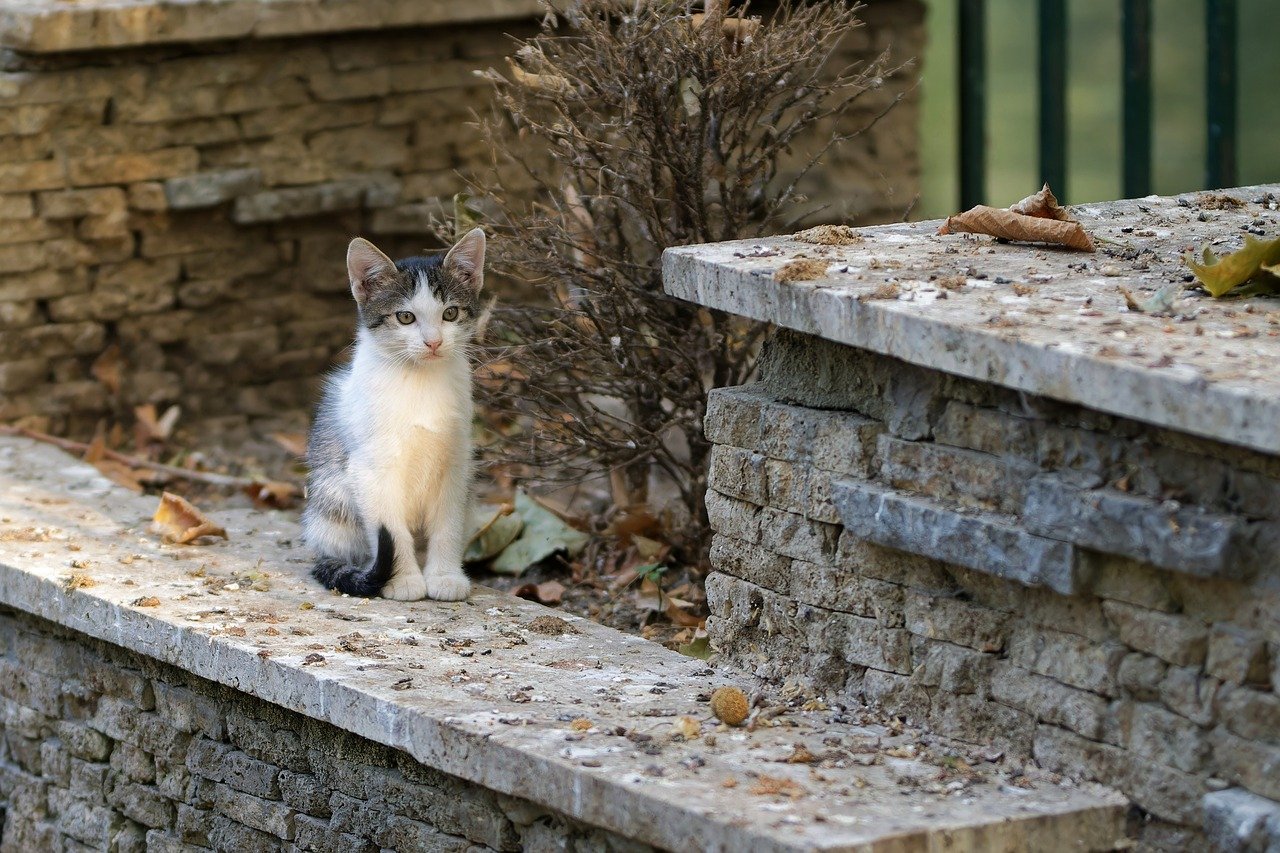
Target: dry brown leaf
<point x="687" y="728"/>
<point x="146" y="601"/>
<point x="151" y="428"/>
<point x="1037" y="218"/>
<point x="106" y="369"/>
<point x="1008" y="225"/>
<point x="550" y="592"/>
<point x="582" y="724"/>
<point x="273" y="494"/>
<point x="735" y="29"/>
<point x="178" y="521"/>
<point x="800" y="754"/>
<point x="802" y="269"/>
<point x="1043" y="205"/>
<point x="294" y="442"/>
<point x="681" y="612"/>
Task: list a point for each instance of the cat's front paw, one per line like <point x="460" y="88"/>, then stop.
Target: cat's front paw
<point x="406" y="586"/>
<point x="454" y="586"/>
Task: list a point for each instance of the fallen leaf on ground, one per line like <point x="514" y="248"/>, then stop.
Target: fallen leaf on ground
<point x="700" y="648"/>
<point x="1221" y="275"/>
<point x="800" y="754"/>
<point x="273" y="494"/>
<point x="146" y="601"/>
<point x="179" y="522"/>
<point x="78" y="582"/>
<point x="582" y="724"/>
<point x="544" y="534"/>
<point x="682" y="612"/>
<point x="106" y="369"/>
<point x="1036" y="219"/>
<point x="687" y="728"/>
<point x="547" y="592"/>
<point x="149" y="428"/>
<point x="491" y="528"/>
<point x="294" y="442"/>
<point x="803" y="269"/>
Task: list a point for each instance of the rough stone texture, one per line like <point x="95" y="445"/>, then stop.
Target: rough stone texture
<point x="1149" y="666"/>
<point x="179" y="180"/>
<point x="1045" y="322"/>
<point x="269" y="714"/>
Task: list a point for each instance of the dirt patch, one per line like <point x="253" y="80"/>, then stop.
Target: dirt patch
<point x="829" y="235"/>
<point x="802" y="269"/>
<point x="551" y="626"/>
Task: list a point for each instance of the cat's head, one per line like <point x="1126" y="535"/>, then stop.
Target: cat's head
<point x="420" y="310"/>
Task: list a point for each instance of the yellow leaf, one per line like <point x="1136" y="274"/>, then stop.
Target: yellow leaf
<point x="1221" y="275"/>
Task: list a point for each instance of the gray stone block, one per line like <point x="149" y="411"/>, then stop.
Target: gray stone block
<point x="299" y="202"/>
<point x="266" y="816"/>
<point x="1237" y="821"/>
<point x="1165" y="534"/>
<point x="1237" y="655"/>
<point x="1180" y="640"/>
<point x="967" y="477"/>
<point x="208" y="189"/>
<point x="982" y="542"/>
<point x="1050" y="701"/>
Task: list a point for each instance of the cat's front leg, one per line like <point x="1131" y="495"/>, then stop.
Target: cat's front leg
<point x="445" y="578"/>
<point x="384" y="506"/>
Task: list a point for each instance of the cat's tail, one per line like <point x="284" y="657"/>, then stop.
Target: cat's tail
<point x="364" y="581"/>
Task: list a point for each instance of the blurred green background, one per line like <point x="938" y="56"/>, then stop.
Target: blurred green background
<point x="1093" y="166"/>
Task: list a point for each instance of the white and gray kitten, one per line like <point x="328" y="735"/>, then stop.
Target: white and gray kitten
<point x="390" y="449"/>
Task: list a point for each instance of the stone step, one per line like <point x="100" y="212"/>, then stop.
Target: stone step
<point x="488" y="690"/>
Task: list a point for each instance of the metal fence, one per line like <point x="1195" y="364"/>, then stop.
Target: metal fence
<point x="1136" y="142"/>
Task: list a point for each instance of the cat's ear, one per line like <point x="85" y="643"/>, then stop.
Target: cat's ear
<point x="465" y="261"/>
<point x="365" y="265"/>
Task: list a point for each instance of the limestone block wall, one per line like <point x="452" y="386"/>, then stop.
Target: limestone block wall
<point x="105" y="749"/>
<point x="1092" y="593"/>
<point x="189" y="202"/>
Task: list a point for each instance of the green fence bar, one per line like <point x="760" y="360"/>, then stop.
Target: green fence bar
<point x="1135" y="175"/>
<point x="973" y="103"/>
<point x="1220" y="104"/>
<point x="1053" y="94"/>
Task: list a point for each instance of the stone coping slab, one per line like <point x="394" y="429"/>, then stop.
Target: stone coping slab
<point x="47" y="26"/>
<point x="1046" y="321"/>
<point x="487" y="690"/>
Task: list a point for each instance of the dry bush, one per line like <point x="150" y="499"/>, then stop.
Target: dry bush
<point x="638" y="130"/>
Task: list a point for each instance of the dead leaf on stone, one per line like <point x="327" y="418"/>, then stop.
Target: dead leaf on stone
<point x="800" y="754"/>
<point x="682" y="612"/>
<point x="1036" y="219"/>
<point x="78" y="582"/>
<point x="547" y="592"/>
<point x="1255" y="261"/>
<point x="687" y="728"/>
<point x="150" y="428"/>
<point x="146" y="601"/>
<point x="582" y="724"/>
<point x="801" y="269"/>
<point x="273" y="494"/>
<point x="179" y="522"/>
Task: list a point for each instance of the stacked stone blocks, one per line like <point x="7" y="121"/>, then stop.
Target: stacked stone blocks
<point x="964" y="555"/>
<point x="106" y="750"/>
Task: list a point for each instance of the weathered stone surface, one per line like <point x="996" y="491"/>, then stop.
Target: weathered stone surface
<point x="1237" y="656"/>
<point x="1163" y="534"/>
<point x="1042" y="350"/>
<point x="969" y="478"/>
<point x="1177" y="639"/>
<point x="1049" y="701"/>
<point x="980" y="542"/>
<point x="429" y="762"/>
<point x="207" y="189"/>
<point x="1236" y="821"/>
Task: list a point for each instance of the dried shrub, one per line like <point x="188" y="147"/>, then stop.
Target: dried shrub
<point x="615" y="135"/>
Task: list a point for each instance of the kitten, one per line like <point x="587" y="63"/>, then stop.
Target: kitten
<point x="390" y="449"/>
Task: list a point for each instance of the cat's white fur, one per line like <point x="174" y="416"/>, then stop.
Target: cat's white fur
<point x="408" y="421"/>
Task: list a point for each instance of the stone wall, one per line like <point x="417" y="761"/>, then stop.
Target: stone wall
<point x="104" y="749"/>
<point x="1088" y="591"/>
<point x="190" y="204"/>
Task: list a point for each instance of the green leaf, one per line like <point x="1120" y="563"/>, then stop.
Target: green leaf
<point x="651" y="571"/>
<point x="496" y="530"/>
<point x="1221" y="275"/>
<point x="699" y="648"/>
<point x="544" y="534"/>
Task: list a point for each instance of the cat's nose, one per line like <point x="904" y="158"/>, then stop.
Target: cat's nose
<point x="433" y="345"/>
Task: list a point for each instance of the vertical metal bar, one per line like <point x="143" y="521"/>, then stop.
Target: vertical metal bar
<point x="973" y="103"/>
<point x="1220" y="103"/>
<point x="1136" y="140"/>
<point x="1053" y="94"/>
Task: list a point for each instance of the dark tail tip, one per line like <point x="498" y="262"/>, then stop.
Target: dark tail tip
<point x="363" y="581"/>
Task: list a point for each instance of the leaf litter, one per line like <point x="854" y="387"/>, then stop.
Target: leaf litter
<point x="1038" y="218"/>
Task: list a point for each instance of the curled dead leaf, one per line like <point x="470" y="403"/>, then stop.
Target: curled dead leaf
<point x="178" y="521"/>
<point x="687" y="728"/>
<point x="106" y="369"/>
<point x="1037" y="218"/>
<point x="273" y="494"/>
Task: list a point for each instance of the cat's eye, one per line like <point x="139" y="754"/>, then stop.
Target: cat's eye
<point x="405" y="317"/>
<point x="451" y="313"/>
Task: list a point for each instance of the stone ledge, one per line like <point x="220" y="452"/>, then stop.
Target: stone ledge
<point x="50" y="26"/>
<point x="503" y="726"/>
<point x="1029" y="318"/>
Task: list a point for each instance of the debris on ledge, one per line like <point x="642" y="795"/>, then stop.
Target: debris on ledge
<point x="596" y="724"/>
